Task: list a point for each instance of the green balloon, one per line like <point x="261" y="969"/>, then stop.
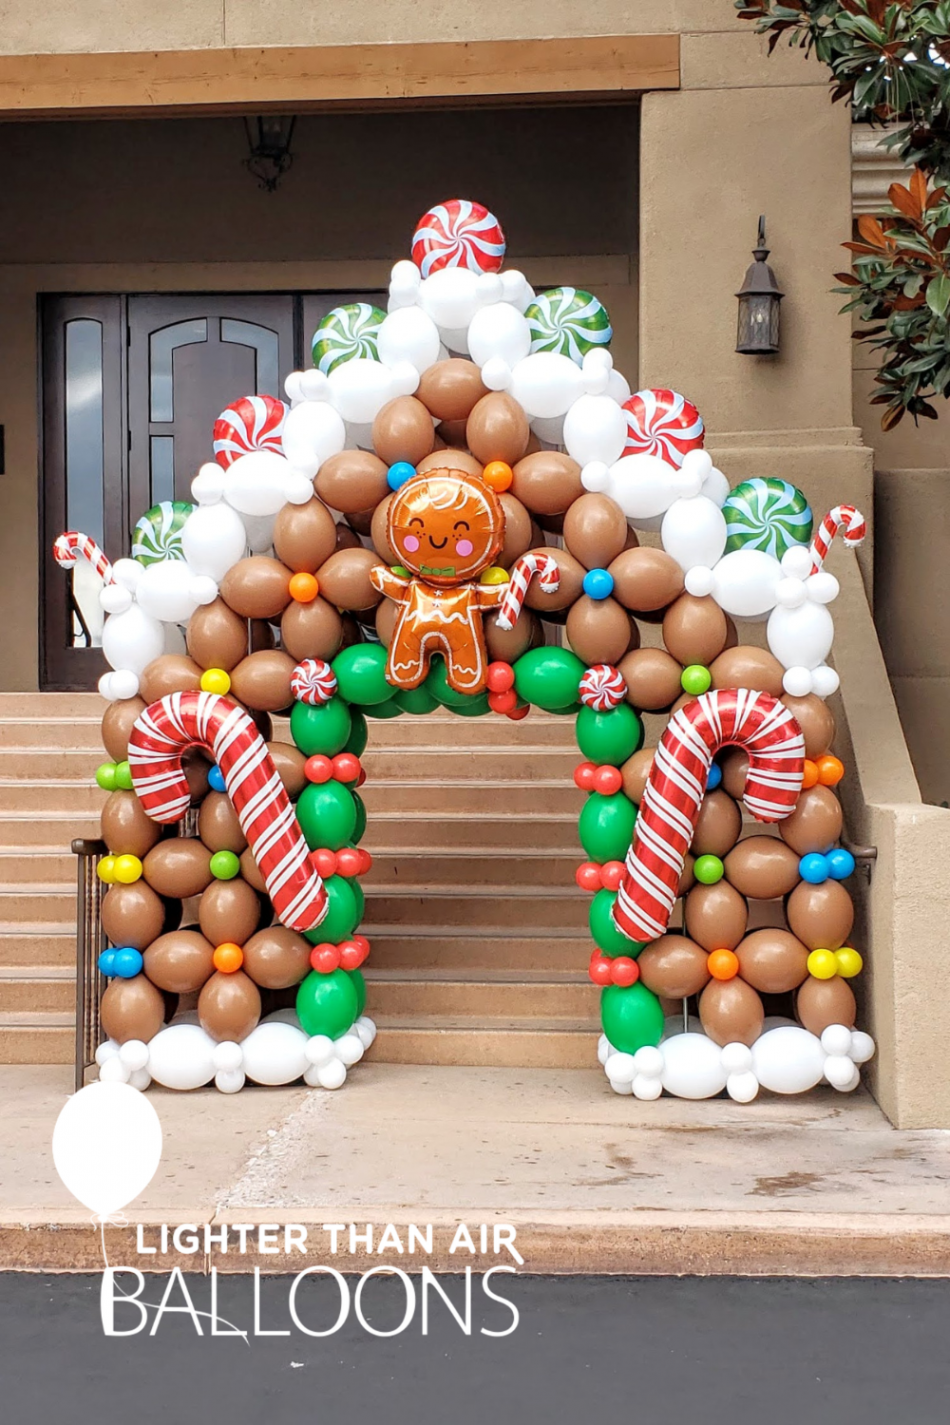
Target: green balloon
<point x="609" y="738"/>
<point x="359" y="830"/>
<point x="356" y="742"/>
<point x="549" y="677"/>
<point x="606" y="826"/>
<point x="361" y="674"/>
<point x="631" y="1015"/>
<point x="603" y="928"/>
<point x="437" y="685"/>
<point x="569" y="711"/>
<point x="105" y="776"/>
<point x="327" y="815"/>
<point x="327" y="1004"/>
<point x="342" y="915"/>
<point x="359" y="897"/>
<point x="390" y="708"/>
<point x="475" y="705"/>
<point x="123" y="776"/>
<point x="325" y="728"/>
<point x="224" y="865"/>
<point x="415" y="700"/>
<point x="359" y="984"/>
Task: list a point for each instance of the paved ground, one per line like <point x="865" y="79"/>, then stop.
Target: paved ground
<point x="660" y="1351"/>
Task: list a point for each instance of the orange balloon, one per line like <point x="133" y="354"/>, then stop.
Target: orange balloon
<point x="230" y="957"/>
<point x="304" y="588"/>
<point x="723" y="964"/>
<point x="809" y="775"/>
<point x="498" y="475"/>
<point x="830" y="771"/>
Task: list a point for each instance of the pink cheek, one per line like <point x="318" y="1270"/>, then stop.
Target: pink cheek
<point x="464" y="547"/>
<point x="411" y="543"/>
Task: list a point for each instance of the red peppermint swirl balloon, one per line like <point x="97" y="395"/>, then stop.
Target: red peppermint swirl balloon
<point x="662" y="423"/>
<point x="458" y="233"/>
<point x="602" y="687"/>
<point x="313" y="681"/>
<point x="252" y="423"/>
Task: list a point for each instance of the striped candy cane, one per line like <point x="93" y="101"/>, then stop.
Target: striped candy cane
<point x="666" y="821"/>
<point x="72" y="546"/>
<point x="524" y="569"/>
<point x="844" y="517"/>
<point x="181" y="720"/>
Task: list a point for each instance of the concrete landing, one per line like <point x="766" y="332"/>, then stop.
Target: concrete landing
<point x="593" y="1183"/>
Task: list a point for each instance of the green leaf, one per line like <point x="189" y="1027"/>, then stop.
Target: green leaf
<point x="938" y="294"/>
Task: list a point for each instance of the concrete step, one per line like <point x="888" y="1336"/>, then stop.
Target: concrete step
<point x="475" y="865"/>
<point x="45" y="794"/>
<point x="41" y="705"/>
<point x="493" y="995"/>
<point x="491" y="798"/>
<point x="530" y="1044"/>
<point x="54" y="903"/>
<point x="447" y="763"/>
<point x="456" y="907"/>
<point x="46" y="828"/>
<point x="39" y="863"/>
<point x="51" y="732"/>
<point x="482" y="949"/>
<point x="68" y="764"/>
<point x="536" y="730"/>
<point x="36" y="1038"/>
<point x="44" y="988"/>
<point x="451" y="829"/>
<point x="37" y="944"/>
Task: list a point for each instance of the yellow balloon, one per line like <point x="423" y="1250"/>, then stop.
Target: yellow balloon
<point x="127" y="869"/>
<point x="823" y="964"/>
<point x="215" y="680"/>
<point x="106" y="870"/>
<point x="494" y="575"/>
<point x="849" y="961"/>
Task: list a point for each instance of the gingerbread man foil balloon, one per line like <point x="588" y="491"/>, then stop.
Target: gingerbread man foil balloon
<point x="446" y="528"/>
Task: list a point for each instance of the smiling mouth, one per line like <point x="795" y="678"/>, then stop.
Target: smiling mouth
<point x="437" y="573"/>
<point x="438" y="546"/>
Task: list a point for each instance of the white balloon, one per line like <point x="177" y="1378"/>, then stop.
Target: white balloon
<point x="314" y="385"/>
<point x="595" y="428"/>
<point x="134" y="1054"/>
<point x="736" y="1058"/>
<point x="293" y="389"/>
<point x="824" y="681"/>
<point x="621" y="1086"/>
<point x="546" y="383"/>
<point x="359" y="389"/>
<point x="742" y="1088"/>
<point x="788" y="1060"/>
<point x="694" y="531"/>
<point x="455" y="341"/>
<point x="213" y="539"/>
<point x="113" y="1071"/>
<point x="796" y="562"/>
<point x="107" y="1144"/>
<point x="499" y="330"/>
<point x="700" y="581"/>
<point x="331" y="1075"/>
<point x="797" y="682"/>
<point x="620" y="1068"/>
<point x="715" y="486"/>
<point x="366" y="1029"/>
<point x="802" y="637"/>
<point x="175" y="638"/>
<point x="841" y="1073"/>
<point x="603" y="1049"/>
<point x="274" y="1053"/>
<point x="171" y="591"/>
<point x="836" y="1039"/>
<point x="404" y="282"/>
<point x="115" y="598"/>
<point x="744" y="582"/>
<point x="790" y="593"/>
<point x="822" y="588"/>
<point x="260" y="482"/>
<point x="140" y="1079"/>
<point x="516" y="289"/>
<point x="117" y="687"/>
<point x="181" y="1056"/>
<point x="131" y="640"/>
<point x="227" y="1055"/>
<point x="319" y="1049"/>
<point x="645" y="486"/>
<point x="408" y="334"/>
<point x="692" y="1066"/>
<point x="313" y="431"/>
<point x="207" y="488"/>
<point x="451" y="298"/>
<point x="348" y="1048"/>
<point x="862" y="1047"/>
<point x="229" y="1080"/>
<point x="618" y="387"/>
<point x="549" y="429"/>
<point x="649" y="1060"/>
<point x="259" y="532"/>
<point x="646" y="1088"/>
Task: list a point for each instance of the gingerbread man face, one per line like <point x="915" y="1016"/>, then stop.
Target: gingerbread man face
<point x="446" y="526"/>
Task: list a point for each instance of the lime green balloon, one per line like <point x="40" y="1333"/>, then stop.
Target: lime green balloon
<point x="606" y="826"/>
<point x="696" y="679"/>
<point x="359" y="735"/>
<point x="549" y="677"/>
<point x="361" y="674"/>
<point x="123" y="776"/>
<point x="708" y="870"/>
<point x="327" y="815"/>
<point x="631" y="1015"/>
<point x="105" y="776"/>
<point x="327" y="1004"/>
<point x="416" y="700"/>
<point x="390" y="708"/>
<point x="609" y="737"/>
<point x="224" y="865"/>
<point x="604" y="931"/>
<point x="325" y="728"/>
<point x="359" y="985"/>
<point x="359" y="830"/>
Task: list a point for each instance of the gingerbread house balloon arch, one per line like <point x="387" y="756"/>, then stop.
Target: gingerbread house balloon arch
<point x="494" y="473"/>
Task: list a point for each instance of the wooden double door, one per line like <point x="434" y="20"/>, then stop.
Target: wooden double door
<point x="131" y="387"/>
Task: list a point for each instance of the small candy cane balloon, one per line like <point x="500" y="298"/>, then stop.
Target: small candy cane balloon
<point x="842" y="517"/>
<point x="252" y="423"/>
<point x="666" y="821"/>
<point x="521" y="575"/>
<point x="73" y="545"/>
<point x="313" y="681"/>
<point x="663" y="423"/>
<point x="602" y="688"/>
<point x="458" y="233"/>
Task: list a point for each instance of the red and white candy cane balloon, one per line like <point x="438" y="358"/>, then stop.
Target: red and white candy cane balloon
<point x="252" y="423"/>
<point x="666" y="821"/>
<point x="72" y="546"/>
<point x="181" y="720"/>
<point x="522" y="573"/>
<point x="842" y="517"/>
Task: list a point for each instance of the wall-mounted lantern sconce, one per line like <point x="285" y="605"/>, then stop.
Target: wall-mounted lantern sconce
<point x="759" y="300"/>
<point x="268" y="138"/>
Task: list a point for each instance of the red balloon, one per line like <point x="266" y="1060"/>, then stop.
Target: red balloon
<point x="504" y="702"/>
<point x="624" y="971"/>
<point x="348" y="861"/>
<point x="599" y="968"/>
<point x="325" y="959"/>
<point x="519" y="714"/>
<point x="584" y="775"/>
<point x="318" y="768"/>
<point x="362" y="942"/>
<point x="362" y="778"/>
<point x="611" y="874"/>
<point x="325" y="862"/>
<point x="352" y="954"/>
<point x="607" y="781"/>
<point x="346" y="767"/>
<point x="499" y="677"/>
<point x="588" y="876"/>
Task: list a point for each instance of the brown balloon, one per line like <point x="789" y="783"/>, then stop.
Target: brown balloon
<point x="131" y="1009"/>
<point x="289" y="764"/>
<point x="762" y="867"/>
<point x="717" y="827"/>
<point x="550" y="524"/>
<point x="519" y="531"/>
<point x="262" y="721"/>
<point x="595" y="530"/>
<point x="687" y="878"/>
<point x="132" y="915"/>
<point x="547" y="483"/>
<point x="261" y="636"/>
<point x="258" y="587"/>
<point x="311" y="630"/>
<point x="252" y="872"/>
<point x="652" y="678"/>
<point x="351" y="481"/>
<point x="747" y="667"/>
<point x="346" y="538"/>
<point x="734" y="764"/>
<point x="170" y="673"/>
<point x="386" y="614"/>
<point x="816" y="722"/>
<point x="635" y="772"/>
<point x="262" y="681"/>
<point x="344" y="579"/>
<point x="821" y="1003"/>
<point x="646" y="579"/>
<point x="362" y="521"/>
<point x="505" y="645"/>
<point x="821" y="916"/>
<point x="598" y="630"/>
<point x="125" y="827"/>
<point x="731" y="1012"/>
<point x="694" y="630"/>
<point x="450" y="434"/>
<point x="716" y="916"/>
<point x="229" y="1006"/>
<point x="451" y="389"/>
<point x="277" y="957"/>
<point x="305" y="535"/>
<point x="218" y="824"/>
<point x="772" y="961"/>
<point x="229" y="912"/>
<point x="178" y="867"/>
<point x="815" y="824"/>
<point x="117" y="723"/>
<point x="497" y="429"/>
<point x="674" y="966"/>
<point x="403" y="430"/>
<point x="379" y="535"/>
<point x="196" y="766"/>
<point x="570" y="582"/>
<point x="216" y="636"/>
<point x="450" y="459"/>
<point x="180" y="961"/>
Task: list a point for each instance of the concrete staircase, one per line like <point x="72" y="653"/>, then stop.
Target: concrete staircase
<point x="479" y="935"/>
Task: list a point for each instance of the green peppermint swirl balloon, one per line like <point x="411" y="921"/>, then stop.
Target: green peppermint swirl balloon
<point x="770" y="515"/>
<point x="347" y="332"/>
<point x="568" y="321"/>
<point x="157" y="535"/>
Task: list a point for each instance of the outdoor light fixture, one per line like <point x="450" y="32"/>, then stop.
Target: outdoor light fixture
<point x="759" y="301"/>
<point x="268" y="138"/>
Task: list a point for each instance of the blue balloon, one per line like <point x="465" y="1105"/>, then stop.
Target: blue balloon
<point x="840" y="864"/>
<point x="714" y="778"/>
<point x="127" y="963"/>
<point x="399" y="473"/>
<point x="106" y="963"/>
<point x="813" y="868"/>
<point x="216" y="780"/>
<point x="598" y="584"/>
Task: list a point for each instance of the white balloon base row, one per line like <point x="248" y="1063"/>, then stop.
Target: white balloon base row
<point x="786" y="1059"/>
<point x="278" y="1051"/>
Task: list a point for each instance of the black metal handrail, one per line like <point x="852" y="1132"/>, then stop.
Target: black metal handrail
<point x="90" y="943"/>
